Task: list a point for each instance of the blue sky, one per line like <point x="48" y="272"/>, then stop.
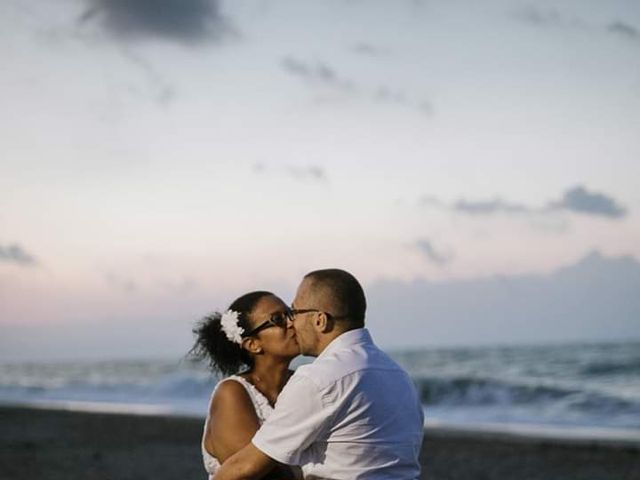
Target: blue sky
<point x="155" y="166"/>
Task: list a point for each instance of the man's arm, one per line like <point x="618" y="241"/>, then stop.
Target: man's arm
<point x="250" y="463"/>
<point x="296" y="421"/>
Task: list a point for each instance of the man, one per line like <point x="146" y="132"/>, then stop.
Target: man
<point x="352" y="413"/>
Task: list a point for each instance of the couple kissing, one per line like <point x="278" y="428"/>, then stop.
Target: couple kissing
<point x="351" y="413"/>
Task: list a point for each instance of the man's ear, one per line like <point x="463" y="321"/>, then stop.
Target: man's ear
<point x="252" y="345"/>
<point x="323" y="323"/>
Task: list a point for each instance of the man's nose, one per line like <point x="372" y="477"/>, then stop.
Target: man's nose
<point x="290" y="321"/>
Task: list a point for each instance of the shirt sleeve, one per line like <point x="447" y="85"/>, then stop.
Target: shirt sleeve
<point x="298" y="419"/>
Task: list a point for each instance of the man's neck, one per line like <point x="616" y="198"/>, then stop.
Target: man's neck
<point x="326" y="339"/>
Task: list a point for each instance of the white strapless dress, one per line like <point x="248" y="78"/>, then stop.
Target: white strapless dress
<point x="263" y="410"/>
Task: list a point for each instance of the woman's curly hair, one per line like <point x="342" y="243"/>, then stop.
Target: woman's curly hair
<point x="212" y="344"/>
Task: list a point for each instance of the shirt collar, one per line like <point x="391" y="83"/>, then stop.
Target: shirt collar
<point x="347" y="339"/>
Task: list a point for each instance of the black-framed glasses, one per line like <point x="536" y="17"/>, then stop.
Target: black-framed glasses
<point x="277" y="319"/>
<point x="293" y="312"/>
<point x="300" y="311"/>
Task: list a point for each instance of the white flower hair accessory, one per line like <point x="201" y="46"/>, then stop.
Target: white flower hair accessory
<point x="230" y="327"/>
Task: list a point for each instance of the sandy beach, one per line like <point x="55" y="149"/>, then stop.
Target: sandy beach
<point x="55" y="444"/>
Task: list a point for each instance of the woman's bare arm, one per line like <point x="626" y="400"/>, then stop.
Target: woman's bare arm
<point x="232" y="424"/>
<point x="232" y="421"/>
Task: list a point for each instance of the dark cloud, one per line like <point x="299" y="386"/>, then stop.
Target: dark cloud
<point x="477" y="207"/>
<point x="624" y="29"/>
<point x="580" y="200"/>
<point x="16" y="254"/>
<point x="431" y="253"/>
<point x="317" y="72"/>
<point x="189" y="21"/>
<point x="487" y="207"/>
<point x="577" y="199"/>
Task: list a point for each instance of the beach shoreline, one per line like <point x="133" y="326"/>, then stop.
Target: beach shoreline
<point x="62" y="444"/>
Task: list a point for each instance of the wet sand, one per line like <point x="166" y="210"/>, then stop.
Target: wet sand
<point x="55" y="444"/>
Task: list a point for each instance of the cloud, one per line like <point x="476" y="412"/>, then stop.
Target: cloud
<point x="321" y="74"/>
<point x="121" y="283"/>
<point x="308" y="172"/>
<point x="318" y="72"/>
<point x="549" y="17"/>
<point x="624" y="29"/>
<point x="431" y="253"/>
<point x="432" y="201"/>
<point x="387" y="94"/>
<point x="14" y="253"/>
<point x="580" y="200"/>
<point x="477" y="207"/>
<point x="188" y="21"/>
<point x="487" y="207"/>
<point x="160" y="89"/>
<point x="425" y="107"/>
<point x="312" y="172"/>
<point x="592" y="299"/>
<point x="259" y="168"/>
<point x="577" y="200"/>
<point x="184" y="286"/>
<point x="536" y="16"/>
<point x="367" y="49"/>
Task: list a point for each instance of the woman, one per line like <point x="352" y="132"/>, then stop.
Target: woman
<point x="253" y="344"/>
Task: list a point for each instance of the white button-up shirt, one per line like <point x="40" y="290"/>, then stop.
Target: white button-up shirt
<point x="351" y="414"/>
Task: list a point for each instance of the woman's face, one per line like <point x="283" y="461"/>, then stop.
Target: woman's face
<point x="274" y="340"/>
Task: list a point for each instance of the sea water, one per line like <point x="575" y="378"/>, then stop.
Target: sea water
<point x="571" y="389"/>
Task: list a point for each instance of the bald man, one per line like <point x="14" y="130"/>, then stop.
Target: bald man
<point x="353" y="412"/>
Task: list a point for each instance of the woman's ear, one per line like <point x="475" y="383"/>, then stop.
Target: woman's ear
<point x="252" y="345"/>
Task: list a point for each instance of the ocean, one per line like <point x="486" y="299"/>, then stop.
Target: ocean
<point x="573" y="390"/>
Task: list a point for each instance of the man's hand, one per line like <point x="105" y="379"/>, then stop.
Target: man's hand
<point x="247" y="464"/>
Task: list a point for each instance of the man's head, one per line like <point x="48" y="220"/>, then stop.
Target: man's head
<point x="328" y="303"/>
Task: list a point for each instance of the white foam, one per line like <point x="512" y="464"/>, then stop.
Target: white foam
<point x="570" y="433"/>
<point x="100" y="407"/>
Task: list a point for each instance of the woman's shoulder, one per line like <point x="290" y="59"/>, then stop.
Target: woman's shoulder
<point x="230" y="391"/>
<point x="233" y="385"/>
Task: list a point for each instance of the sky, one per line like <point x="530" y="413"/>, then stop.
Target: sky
<point x="160" y="159"/>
